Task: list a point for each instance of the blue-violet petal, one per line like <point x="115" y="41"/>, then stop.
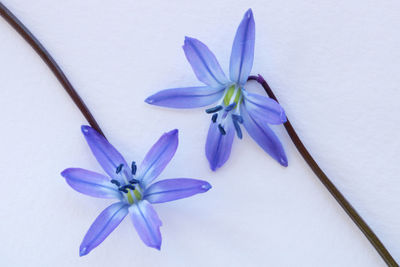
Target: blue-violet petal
<point x="172" y="189"/>
<point x="147" y="223"/>
<point x="242" y="54"/>
<point x="189" y="97"/>
<point x="104" y="224"/>
<point x="91" y="183"/>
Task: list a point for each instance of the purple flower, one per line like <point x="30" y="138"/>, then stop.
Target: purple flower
<point x="131" y="186"/>
<point x="235" y="106"/>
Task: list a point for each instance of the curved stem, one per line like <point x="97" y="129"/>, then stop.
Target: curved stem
<point x="353" y="214"/>
<point x="48" y="59"/>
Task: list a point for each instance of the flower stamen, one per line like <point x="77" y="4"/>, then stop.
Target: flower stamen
<point x="214" y="117"/>
<point x="134" y="181"/>
<point x="119" y="168"/>
<point x="230" y="107"/>
<point x="214" y="109"/>
<point x="237" y="128"/>
<point x="237" y="118"/>
<point x="113" y="181"/>
<point x="221" y="129"/>
<point x="134" y="168"/>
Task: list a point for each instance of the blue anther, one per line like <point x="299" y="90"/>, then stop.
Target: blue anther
<point x="237" y="118"/>
<point x="130" y="186"/>
<point x="123" y="189"/>
<point x="134" y="181"/>
<point x="115" y="182"/>
<point x="214" y="109"/>
<point x="119" y="168"/>
<point x="230" y="107"/>
<point x="237" y="128"/>
<point x="214" y="117"/>
<point x="221" y="129"/>
<point x="127" y="186"/>
<point x="134" y="168"/>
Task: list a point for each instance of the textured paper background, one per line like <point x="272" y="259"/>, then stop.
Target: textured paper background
<point x="334" y="65"/>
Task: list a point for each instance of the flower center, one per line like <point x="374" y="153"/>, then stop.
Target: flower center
<point x="130" y="187"/>
<point x="228" y="109"/>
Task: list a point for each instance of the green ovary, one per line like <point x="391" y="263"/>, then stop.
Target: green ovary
<point x="229" y="94"/>
<point x="136" y="193"/>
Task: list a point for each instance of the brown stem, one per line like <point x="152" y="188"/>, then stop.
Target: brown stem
<point x="48" y="59"/>
<point x="380" y="248"/>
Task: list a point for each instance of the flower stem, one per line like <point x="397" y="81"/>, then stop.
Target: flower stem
<point x="48" y="59"/>
<point x="353" y="214"/>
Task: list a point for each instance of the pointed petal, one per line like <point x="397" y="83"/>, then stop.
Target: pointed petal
<point x="242" y="54"/>
<point x="263" y="108"/>
<point x="91" y="183"/>
<point x="172" y="189"/>
<point x="147" y="223"/>
<point x="264" y="136"/>
<point x="218" y="146"/>
<point x="158" y="157"/>
<point x="107" y="156"/>
<point x="204" y="63"/>
<point x="189" y="97"/>
<point x="104" y="224"/>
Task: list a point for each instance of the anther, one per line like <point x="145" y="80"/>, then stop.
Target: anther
<point x="237" y="128"/>
<point x="123" y="189"/>
<point x="127" y="186"/>
<point x="134" y="181"/>
<point x="214" y="109"/>
<point x="130" y="186"/>
<point x="214" y="117"/>
<point x="113" y="181"/>
<point x="237" y="118"/>
<point x="119" y="168"/>
<point x="221" y="129"/>
<point x="230" y="107"/>
<point x="134" y="168"/>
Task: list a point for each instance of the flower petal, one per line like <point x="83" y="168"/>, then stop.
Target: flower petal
<point x="242" y="54"/>
<point x="263" y="108"/>
<point x="147" y="223"/>
<point x="204" y="63"/>
<point x="189" y="97"/>
<point x="172" y="189"/>
<point x="218" y="146"/>
<point x="158" y="157"/>
<point x="104" y="224"/>
<point x="90" y="183"/>
<point x="264" y="136"/>
<point x="107" y="156"/>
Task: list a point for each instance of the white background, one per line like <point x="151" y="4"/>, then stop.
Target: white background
<point x="334" y="65"/>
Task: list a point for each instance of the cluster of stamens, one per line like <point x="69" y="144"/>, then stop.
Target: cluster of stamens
<point x="236" y="118"/>
<point x="124" y="188"/>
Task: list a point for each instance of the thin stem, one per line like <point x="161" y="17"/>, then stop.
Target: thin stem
<point x="369" y="234"/>
<point x="48" y="59"/>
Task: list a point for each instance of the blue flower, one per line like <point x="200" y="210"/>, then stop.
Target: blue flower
<point x="131" y="186"/>
<point x="235" y="106"/>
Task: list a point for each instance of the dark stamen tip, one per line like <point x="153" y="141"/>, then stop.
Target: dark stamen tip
<point x="221" y="129"/>
<point x="123" y="189"/>
<point x="134" y="181"/>
<point x="119" y="168"/>
<point x="134" y="168"/>
<point x="214" y="117"/>
<point x="214" y="109"/>
<point x="130" y="186"/>
<point x="113" y="181"/>
<point x="238" y="130"/>
<point x="237" y="118"/>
